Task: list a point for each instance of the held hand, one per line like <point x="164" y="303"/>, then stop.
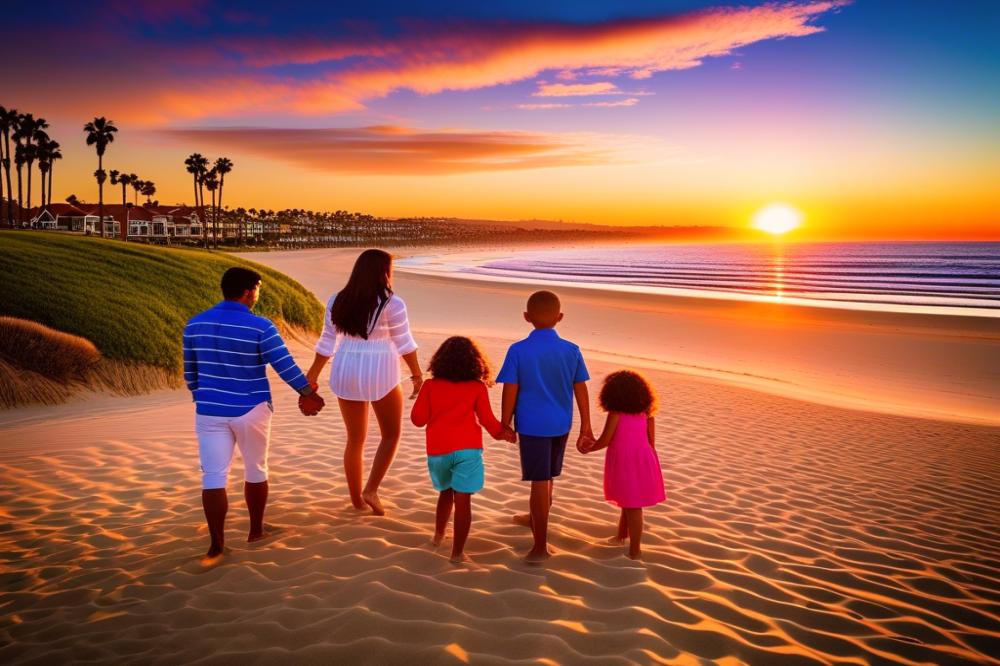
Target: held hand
<point x="418" y="381"/>
<point x="507" y="434"/>
<point x="312" y="404"/>
<point x="585" y="443"/>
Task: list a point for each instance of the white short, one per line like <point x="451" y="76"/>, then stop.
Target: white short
<point x="219" y="435"/>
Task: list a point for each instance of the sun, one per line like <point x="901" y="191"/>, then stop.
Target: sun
<point x="777" y="219"/>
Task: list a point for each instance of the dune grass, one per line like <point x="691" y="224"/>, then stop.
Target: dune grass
<point x="131" y="301"/>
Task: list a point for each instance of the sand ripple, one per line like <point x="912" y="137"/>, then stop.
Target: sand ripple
<point x="793" y="534"/>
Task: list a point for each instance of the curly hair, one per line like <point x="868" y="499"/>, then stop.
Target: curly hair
<point x="627" y="392"/>
<point x="459" y="359"/>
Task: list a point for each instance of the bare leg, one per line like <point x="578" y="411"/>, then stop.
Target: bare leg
<point x="634" y="518"/>
<point x="216" y="505"/>
<point x="255" y="495"/>
<point x="389" y="414"/>
<point x="539" y="505"/>
<point x="463" y="521"/>
<point x="355" y="414"/>
<point x="524" y="519"/>
<point x="622" y="528"/>
<point x="445" y="500"/>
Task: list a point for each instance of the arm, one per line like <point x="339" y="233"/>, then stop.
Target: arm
<point x="274" y="352"/>
<point x="484" y="412"/>
<point x="420" y="415"/>
<point x="582" y="395"/>
<point x="416" y="375"/>
<point x="508" y="401"/>
<point x="324" y="346"/>
<point x="399" y="331"/>
<point x="651" y="431"/>
<point x="583" y="405"/>
<point x="609" y="431"/>
<point x="190" y="363"/>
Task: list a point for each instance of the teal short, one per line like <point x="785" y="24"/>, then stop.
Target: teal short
<point x="461" y="471"/>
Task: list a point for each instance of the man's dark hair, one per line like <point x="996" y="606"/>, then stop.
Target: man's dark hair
<point x="237" y="281"/>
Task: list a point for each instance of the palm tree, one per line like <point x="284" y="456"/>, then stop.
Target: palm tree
<point x="124" y="180"/>
<point x="100" y="175"/>
<point x="197" y="166"/>
<point x="224" y="165"/>
<point x="211" y="181"/>
<point x="7" y="119"/>
<point x="43" y="167"/>
<point x="148" y="189"/>
<point x="72" y="200"/>
<point x="52" y="153"/>
<point x="137" y="184"/>
<point x="19" y="159"/>
<point x="100" y="132"/>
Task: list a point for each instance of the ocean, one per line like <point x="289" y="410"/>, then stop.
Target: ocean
<point x="930" y="275"/>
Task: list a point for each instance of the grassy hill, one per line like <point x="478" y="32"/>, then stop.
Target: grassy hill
<point x="131" y="301"/>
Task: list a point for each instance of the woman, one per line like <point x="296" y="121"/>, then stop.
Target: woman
<point x="366" y="331"/>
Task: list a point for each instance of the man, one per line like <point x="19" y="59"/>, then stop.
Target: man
<point x="226" y="353"/>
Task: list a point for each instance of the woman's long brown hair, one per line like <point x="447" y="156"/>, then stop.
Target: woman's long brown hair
<point x="366" y="289"/>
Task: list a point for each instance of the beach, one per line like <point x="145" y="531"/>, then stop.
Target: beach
<point x="832" y="484"/>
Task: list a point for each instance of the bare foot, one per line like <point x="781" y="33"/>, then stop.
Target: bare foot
<point x="359" y="505"/>
<point x="372" y="500"/>
<point x="258" y="536"/>
<point x="213" y="556"/>
<point x="635" y="556"/>
<point x="537" y="556"/>
<point x="522" y="519"/>
<point x="438" y="538"/>
<point x="459" y="559"/>
<point x="616" y="540"/>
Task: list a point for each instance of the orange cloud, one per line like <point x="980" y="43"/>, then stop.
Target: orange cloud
<point x="428" y="60"/>
<point x="391" y="150"/>
<point x="576" y="89"/>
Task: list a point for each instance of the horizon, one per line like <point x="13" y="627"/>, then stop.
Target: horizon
<point x="875" y="120"/>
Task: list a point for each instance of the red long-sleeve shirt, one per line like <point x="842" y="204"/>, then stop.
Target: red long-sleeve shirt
<point x="453" y="412"/>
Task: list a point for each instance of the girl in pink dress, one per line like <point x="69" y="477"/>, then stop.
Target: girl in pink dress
<point x="632" y="475"/>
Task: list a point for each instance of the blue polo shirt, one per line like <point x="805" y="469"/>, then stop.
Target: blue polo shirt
<point x="545" y="367"/>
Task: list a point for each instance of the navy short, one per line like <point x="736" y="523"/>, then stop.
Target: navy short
<point x="541" y="457"/>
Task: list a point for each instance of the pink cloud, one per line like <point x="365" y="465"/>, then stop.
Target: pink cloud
<point x="544" y="106"/>
<point x="631" y="101"/>
<point x="576" y="89"/>
<point x="394" y="150"/>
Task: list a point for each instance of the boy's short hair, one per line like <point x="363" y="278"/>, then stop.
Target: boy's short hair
<point x="237" y="281"/>
<point x="543" y="303"/>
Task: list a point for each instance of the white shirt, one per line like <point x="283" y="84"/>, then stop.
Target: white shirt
<point x="367" y="369"/>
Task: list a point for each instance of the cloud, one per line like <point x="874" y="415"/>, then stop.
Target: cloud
<point x="576" y="89"/>
<point x="323" y="70"/>
<point x="543" y="106"/>
<point x="631" y="101"/>
<point x="394" y="150"/>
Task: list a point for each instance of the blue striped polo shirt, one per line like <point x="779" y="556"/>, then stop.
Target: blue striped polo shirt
<point x="226" y="352"/>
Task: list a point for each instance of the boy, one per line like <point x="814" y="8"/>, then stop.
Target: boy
<point x="541" y="375"/>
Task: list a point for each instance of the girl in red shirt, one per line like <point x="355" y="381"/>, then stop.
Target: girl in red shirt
<point x="453" y="405"/>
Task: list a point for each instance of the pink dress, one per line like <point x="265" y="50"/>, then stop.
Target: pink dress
<point x="632" y="476"/>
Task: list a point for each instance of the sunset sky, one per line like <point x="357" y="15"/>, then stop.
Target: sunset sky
<point x="877" y="119"/>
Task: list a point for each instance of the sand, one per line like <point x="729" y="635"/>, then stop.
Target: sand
<point x="794" y="531"/>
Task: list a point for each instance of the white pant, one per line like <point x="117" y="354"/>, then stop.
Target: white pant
<point x="217" y="436"/>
